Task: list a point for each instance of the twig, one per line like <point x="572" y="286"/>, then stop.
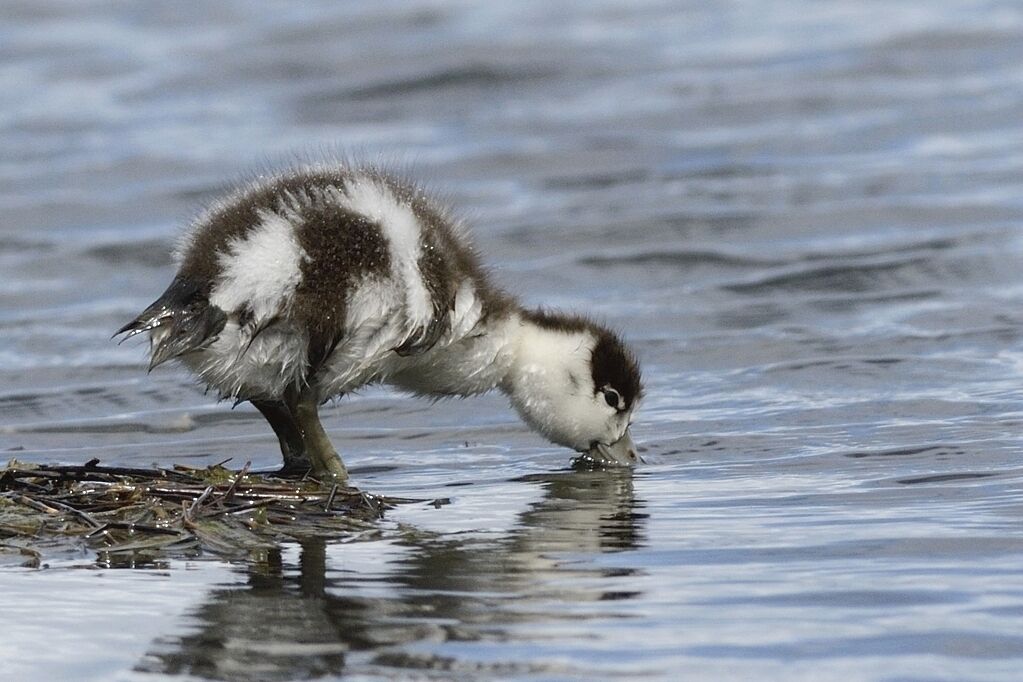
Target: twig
<point x="234" y="484"/>
<point x="35" y="504"/>
<point x="87" y="472"/>
<point x="77" y="512"/>
<point x="370" y="502"/>
<point x="171" y="492"/>
<point x="239" y="509"/>
<point x="330" y="498"/>
<point x="189" y="516"/>
<point x="121" y="525"/>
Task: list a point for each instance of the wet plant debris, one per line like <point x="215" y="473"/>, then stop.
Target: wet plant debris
<point x="128" y="516"/>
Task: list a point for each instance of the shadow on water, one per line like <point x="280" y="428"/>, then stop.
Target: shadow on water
<point x="312" y="619"/>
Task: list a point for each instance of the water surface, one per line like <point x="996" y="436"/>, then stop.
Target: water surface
<point x="805" y="216"/>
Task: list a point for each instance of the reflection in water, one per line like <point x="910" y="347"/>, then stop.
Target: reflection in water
<point x="311" y="622"/>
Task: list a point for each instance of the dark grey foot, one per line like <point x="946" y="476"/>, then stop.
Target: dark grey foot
<point x="277" y="414"/>
<point x="295" y="468"/>
<point x="304" y="444"/>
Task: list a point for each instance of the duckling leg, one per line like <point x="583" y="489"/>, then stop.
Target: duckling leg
<point x="325" y="462"/>
<point x="296" y="461"/>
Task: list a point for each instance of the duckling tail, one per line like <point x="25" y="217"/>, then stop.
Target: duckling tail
<point x="181" y="320"/>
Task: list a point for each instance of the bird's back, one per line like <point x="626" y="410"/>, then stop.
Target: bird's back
<point x="316" y="277"/>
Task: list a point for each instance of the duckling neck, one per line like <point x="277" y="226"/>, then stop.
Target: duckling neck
<point x="509" y="351"/>
<point x="544" y="363"/>
<point x="476" y="363"/>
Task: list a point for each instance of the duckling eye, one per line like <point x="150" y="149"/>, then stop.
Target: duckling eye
<point x="611" y="397"/>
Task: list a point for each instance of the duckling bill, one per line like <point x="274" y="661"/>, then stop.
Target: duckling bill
<point x="303" y="286"/>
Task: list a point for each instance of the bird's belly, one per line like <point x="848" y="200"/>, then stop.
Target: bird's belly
<point x="241" y="366"/>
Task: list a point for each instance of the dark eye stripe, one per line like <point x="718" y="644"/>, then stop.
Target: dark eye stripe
<point x="612" y="364"/>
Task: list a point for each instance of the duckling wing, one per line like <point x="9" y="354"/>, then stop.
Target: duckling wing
<point x="374" y="280"/>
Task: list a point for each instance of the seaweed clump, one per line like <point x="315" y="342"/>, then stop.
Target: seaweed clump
<point x="136" y="517"/>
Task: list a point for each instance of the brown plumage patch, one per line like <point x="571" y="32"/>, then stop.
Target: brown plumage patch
<point x="342" y="247"/>
<point x="560" y="322"/>
<point x="236" y="215"/>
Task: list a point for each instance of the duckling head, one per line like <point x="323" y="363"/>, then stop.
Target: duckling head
<point x="576" y="383"/>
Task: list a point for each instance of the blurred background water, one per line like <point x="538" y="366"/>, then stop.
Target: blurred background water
<point x="806" y="216"/>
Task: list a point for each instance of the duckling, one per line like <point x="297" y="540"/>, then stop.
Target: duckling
<point x="308" y="284"/>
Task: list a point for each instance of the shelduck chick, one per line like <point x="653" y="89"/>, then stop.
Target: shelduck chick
<point x="312" y="283"/>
